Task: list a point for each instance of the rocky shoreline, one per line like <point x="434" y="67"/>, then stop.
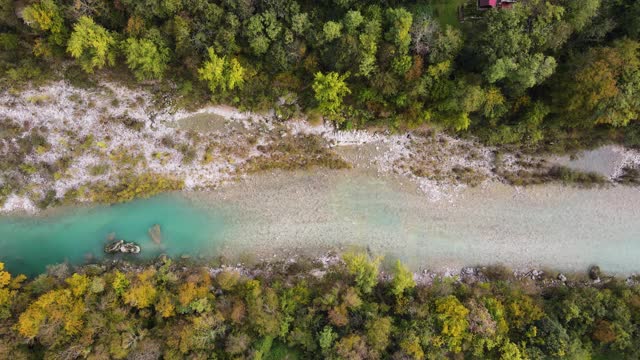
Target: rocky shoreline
<point x="67" y="142"/>
<point x="320" y="266"/>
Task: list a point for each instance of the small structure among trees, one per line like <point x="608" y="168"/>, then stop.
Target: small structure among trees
<point x="490" y="4"/>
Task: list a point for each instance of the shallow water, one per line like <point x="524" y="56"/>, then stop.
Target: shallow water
<point x="27" y="245"/>
<point x="605" y="160"/>
<point x="273" y="215"/>
<point x="560" y="227"/>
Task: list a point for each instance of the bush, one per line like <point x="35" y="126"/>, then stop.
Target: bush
<point x="99" y="169"/>
<point x="574" y="177"/>
<point x="630" y="176"/>
<point x="293" y="153"/>
<point x="134" y="186"/>
<point x="49" y="199"/>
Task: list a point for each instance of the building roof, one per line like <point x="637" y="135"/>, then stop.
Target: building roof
<point x="487" y="3"/>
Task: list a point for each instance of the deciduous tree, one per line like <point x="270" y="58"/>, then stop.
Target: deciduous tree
<point x="145" y="58"/>
<point x="92" y="45"/>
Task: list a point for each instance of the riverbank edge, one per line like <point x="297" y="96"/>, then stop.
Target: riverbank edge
<point x="450" y="164"/>
<point x="302" y="265"/>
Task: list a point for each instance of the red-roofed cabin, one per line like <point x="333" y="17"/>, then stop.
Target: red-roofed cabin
<point x="487" y="4"/>
<point x="490" y="4"/>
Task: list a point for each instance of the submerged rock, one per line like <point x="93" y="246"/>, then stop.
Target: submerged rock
<point x="155" y="234"/>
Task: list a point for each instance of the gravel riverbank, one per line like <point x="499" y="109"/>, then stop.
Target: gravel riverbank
<point x="65" y="140"/>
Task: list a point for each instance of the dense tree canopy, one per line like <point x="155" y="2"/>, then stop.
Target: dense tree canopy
<point x="351" y="312"/>
<point x="93" y="45"/>
<point x="532" y="75"/>
<point x="329" y="91"/>
<point x="146" y="59"/>
<point x="221" y="74"/>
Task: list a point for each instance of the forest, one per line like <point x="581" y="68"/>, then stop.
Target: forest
<point x="543" y="75"/>
<point x="350" y="309"/>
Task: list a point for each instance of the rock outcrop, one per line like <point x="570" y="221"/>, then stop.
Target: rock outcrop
<point x="120" y="246"/>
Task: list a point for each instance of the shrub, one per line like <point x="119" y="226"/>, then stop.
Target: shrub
<point x="570" y="176"/>
<point x="134" y="186"/>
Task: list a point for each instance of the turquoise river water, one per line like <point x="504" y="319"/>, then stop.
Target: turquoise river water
<point x="278" y="215"/>
<point x="28" y="244"/>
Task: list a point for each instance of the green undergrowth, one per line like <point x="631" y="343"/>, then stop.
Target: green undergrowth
<point x="560" y="174"/>
<point x="134" y="186"/>
<point x="295" y="153"/>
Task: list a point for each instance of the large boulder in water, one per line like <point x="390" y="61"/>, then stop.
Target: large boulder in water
<point x="594" y="272"/>
<point x="114" y="247"/>
<point x="121" y="246"/>
<point x="155" y="234"/>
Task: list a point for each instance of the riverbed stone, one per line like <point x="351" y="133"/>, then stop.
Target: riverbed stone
<point x="155" y="233"/>
<point x="595" y="272"/>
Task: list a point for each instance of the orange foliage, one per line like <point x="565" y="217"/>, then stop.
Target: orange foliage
<point x="604" y="332"/>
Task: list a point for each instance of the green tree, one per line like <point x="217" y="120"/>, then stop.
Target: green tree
<point x="120" y="283"/>
<point x="326" y="338"/>
<point x="379" y="333"/>
<point x="331" y="30"/>
<point x="329" y="90"/>
<point x="581" y="12"/>
<point x="92" y="45"/>
<point x="352" y="20"/>
<point x="46" y="16"/>
<point x="221" y="75"/>
<point x="510" y="48"/>
<point x="261" y="30"/>
<point x="8" y="14"/>
<point x="146" y="59"/>
<point x="399" y="24"/>
<point x="452" y="318"/>
<point x="603" y="88"/>
<point x="300" y="23"/>
<point x="402" y="280"/>
<point x="364" y="270"/>
<point x="368" y="41"/>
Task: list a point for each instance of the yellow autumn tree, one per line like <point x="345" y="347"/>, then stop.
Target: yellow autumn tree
<point x="78" y="284"/>
<point x="8" y="287"/>
<point x="57" y="310"/>
<point x="142" y="293"/>
<point x="120" y="283"/>
<point x="452" y="318"/>
<point x="5" y="277"/>
<point x="165" y="305"/>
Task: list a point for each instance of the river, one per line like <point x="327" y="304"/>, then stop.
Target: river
<point x="274" y="215"/>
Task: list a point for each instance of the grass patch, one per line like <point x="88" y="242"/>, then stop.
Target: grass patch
<point x="562" y="174"/>
<point x="574" y="177"/>
<point x="99" y="169"/>
<point x="134" y="186"/>
<point x="630" y="176"/>
<point x="125" y="120"/>
<point x="446" y="11"/>
<point x="468" y="175"/>
<point x="295" y="153"/>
